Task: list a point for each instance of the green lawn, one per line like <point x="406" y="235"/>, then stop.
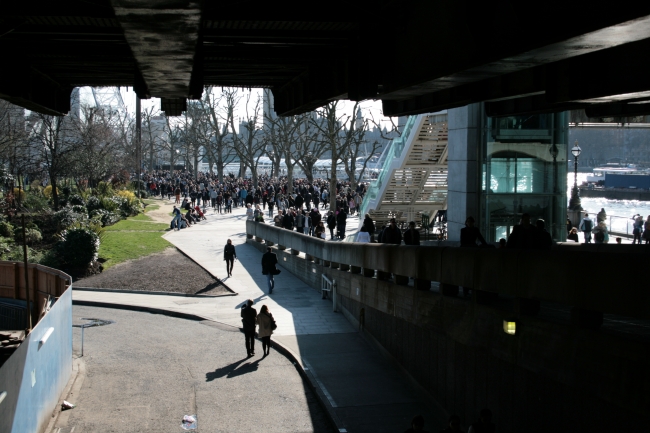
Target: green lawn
<point x="141" y="217"/>
<point x="131" y="239"/>
<point x="134" y="223"/>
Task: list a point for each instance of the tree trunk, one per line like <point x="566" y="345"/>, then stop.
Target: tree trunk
<point x="196" y="164"/>
<point x="55" y="195"/>
<point x="220" y="164"/>
<point x="289" y="178"/>
<point x="333" y="179"/>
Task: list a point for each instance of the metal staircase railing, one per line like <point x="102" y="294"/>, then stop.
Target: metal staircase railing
<point x="413" y="180"/>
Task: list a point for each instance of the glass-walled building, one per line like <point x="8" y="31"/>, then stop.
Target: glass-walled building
<point x="523" y="167"/>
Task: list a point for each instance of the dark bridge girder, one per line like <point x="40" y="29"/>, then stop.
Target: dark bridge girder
<point x="414" y="55"/>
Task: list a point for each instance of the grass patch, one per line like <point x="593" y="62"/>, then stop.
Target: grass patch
<point x="151" y="207"/>
<point x="141" y="217"/>
<point x="132" y="224"/>
<point x="118" y="247"/>
<point x="131" y="239"/>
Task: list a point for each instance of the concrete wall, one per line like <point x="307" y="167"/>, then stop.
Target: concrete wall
<point x="464" y="143"/>
<point x="550" y="376"/>
<point x="34" y="376"/>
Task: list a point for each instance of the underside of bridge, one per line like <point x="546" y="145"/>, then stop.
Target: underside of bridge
<point x="415" y="55"/>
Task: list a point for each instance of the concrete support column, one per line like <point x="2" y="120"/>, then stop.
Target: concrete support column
<point x="448" y="289"/>
<point x="463" y="180"/>
<point x="527" y="307"/>
<point x="355" y="269"/>
<point x="586" y="318"/>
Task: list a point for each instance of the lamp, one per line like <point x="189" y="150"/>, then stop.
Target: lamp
<point x="510" y="327"/>
<point x="574" y="202"/>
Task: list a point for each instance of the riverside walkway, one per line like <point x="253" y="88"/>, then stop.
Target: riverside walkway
<point x="362" y="390"/>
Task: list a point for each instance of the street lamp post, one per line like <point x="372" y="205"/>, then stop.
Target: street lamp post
<point x="574" y="202"/>
<point x="554" y="212"/>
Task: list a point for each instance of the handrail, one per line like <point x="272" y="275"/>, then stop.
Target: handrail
<point x="395" y="151"/>
<point x="568" y="274"/>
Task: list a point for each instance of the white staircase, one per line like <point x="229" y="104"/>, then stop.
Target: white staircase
<point x="413" y="180"/>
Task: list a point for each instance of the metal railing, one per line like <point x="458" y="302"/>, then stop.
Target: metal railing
<point x="554" y="275"/>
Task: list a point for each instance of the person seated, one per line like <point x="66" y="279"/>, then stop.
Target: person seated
<point x="469" y="234"/>
<point x="573" y="235"/>
<point x="200" y="214"/>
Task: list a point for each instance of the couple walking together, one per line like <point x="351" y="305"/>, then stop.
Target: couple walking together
<point x="250" y="319"/>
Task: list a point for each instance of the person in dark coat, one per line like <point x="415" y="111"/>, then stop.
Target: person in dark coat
<point x="369" y="224"/>
<point x="544" y="239"/>
<point x="269" y="260"/>
<point x="341" y="220"/>
<point x="469" y="234"/>
<point x="412" y="236"/>
<point x="248" y="319"/>
<point x="229" y="255"/>
<point x="392" y="234"/>
<point x="331" y="223"/>
<point x="523" y="235"/>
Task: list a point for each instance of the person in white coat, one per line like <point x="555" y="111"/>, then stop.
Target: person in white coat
<point x="265" y="322"/>
<point x="363" y="235"/>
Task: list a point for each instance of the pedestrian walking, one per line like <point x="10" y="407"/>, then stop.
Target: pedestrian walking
<point x="249" y="321"/>
<point x="229" y="255"/>
<point x="266" y="326"/>
<point x="586" y="226"/>
<point x="269" y="260"/>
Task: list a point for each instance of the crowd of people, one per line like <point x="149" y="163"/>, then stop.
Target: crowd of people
<point x="298" y="207"/>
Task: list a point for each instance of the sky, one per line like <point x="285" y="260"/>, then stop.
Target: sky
<point x="369" y="109"/>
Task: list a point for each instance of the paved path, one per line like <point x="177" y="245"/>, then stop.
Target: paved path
<point x="145" y="381"/>
<point x="362" y="390"/>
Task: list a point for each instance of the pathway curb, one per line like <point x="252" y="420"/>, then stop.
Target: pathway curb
<point x="145" y="292"/>
<point x="306" y="374"/>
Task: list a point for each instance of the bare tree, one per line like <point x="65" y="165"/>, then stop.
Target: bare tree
<point x="54" y="136"/>
<point x="220" y="110"/>
<point x="172" y="140"/>
<point x="249" y="142"/>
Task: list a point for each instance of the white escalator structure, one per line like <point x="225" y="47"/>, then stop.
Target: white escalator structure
<point x="413" y="180"/>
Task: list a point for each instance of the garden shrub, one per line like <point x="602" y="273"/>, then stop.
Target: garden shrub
<point x="80" y="247"/>
<point x="111" y="204"/>
<point x="66" y="217"/>
<point x="36" y="202"/>
<point x="47" y="191"/>
<point x="104" y="189"/>
<point x="19" y="193"/>
<point x="32" y="234"/>
<point x="6" y="229"/>
<point x="105" y="217"/>
<point x="76" y="199"/>
<point x="93" y="203"/>
<point x="79" y="209"/>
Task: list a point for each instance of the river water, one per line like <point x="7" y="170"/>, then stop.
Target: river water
<point x="620" y="211"/>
